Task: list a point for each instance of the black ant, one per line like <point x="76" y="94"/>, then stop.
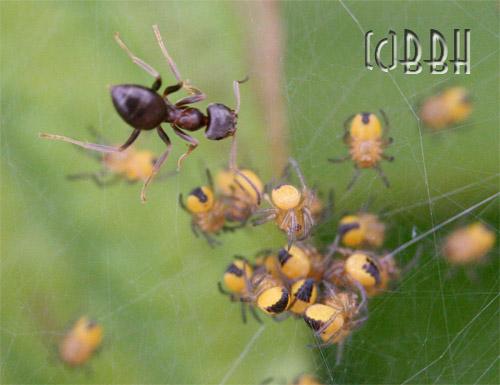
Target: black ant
<point x="145" y="109"/>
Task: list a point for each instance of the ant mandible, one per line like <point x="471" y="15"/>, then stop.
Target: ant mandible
<point x="145" y="109"/>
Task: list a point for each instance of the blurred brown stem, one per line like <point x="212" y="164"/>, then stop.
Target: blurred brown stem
<point x="265" y="36"/>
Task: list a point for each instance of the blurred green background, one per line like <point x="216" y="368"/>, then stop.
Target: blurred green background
<point x="70" y="248"/>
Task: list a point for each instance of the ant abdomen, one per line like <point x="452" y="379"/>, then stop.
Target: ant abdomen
<point x="139" y="106"/>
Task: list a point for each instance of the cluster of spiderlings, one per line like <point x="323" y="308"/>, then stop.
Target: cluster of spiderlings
<point x="236" y="198"/>
<point x="329" y="289"/>
<point x="226" y="206"/>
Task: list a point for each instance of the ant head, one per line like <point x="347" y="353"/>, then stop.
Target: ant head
<point x="221" y="122"/>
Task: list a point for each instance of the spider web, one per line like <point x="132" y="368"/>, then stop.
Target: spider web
<point x="70" y="249"/>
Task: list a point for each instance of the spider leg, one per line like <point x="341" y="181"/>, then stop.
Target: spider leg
<point x="346" y="123"/>
<point x="357" y="172"/>
<point x="96" y="177"/>
<point x="332" y="248"/>
<point x="265" y="218"/>
<point x="291" y="233"/>
<point x="243" y="312"/>
<point x="362" y="291"/>
<point x="210" y="180"/>
<point x="254" y="188"/>
<point x="254" y="314"/>
<point x="386" y="119"/>
<point x="321" y="330"/>
<point x="340" y="352"/>
<point x="222" y="290"/>
<point x="194" y="229"/>
<point x="181" y="203"/>
<point x="382" y="176"/>
<point x="414" y="261"/>
<point x="339" y="160"/>
<point x="308" y="222"/>
<point x="159" y="162"/>
<point x="141" y="63"/>
<point x="296" y="167"/>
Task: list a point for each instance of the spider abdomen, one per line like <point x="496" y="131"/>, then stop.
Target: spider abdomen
<point x="211" y="222"/>
<point x="366" y="153"/>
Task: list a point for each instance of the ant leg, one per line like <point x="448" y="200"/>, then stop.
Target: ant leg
<point x="131" y="139"/>
<point x="195" y="97"/>
<point x="141" y="63"/>
<point x="171" y="89"/>
<point x="158" y="163"/>
<point x="233" y="154"/>
<point x="236" y="90"/>
<point x="357" y="172"/>
<point x="382" y="176"/>
<point x="339" y="160"/>
<point x="193" y="143"/>
<point x="88" y="146"/>
<point x="191" y="99"/>
<point x="171" y="63"/>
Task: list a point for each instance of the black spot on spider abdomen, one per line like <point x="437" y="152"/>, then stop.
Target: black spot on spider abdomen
<point x="281" y="304"/>
<point x="371" y="268"/>
<point x="365" y="117"/>
<point x="198" y="193"/>
<point x="233" y="269"/>
<point x="305" y="291"/>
